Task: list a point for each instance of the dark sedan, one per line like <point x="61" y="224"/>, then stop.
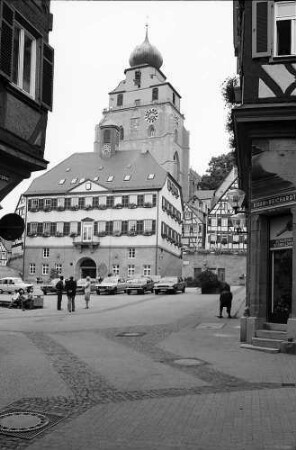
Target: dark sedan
<point x="170" y="284"/>
<point x="140" y="285"/>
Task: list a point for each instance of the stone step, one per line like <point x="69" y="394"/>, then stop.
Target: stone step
<point x="275" y="326"/>
<point x="260" y="349"/>
<point x="272" y="334"/>
<point x="268" y="343"/>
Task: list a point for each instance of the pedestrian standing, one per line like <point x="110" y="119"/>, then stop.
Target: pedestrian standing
<point x="59" y="288"/>
<point x="71" y="293"/>
<point x="225" y="301"/>
<point x="87" y="291"/>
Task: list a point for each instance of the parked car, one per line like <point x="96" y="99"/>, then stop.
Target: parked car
<point x="139" y="285"/>
<point x="111" y="285"/>
<point x="49" y="288"/>
<point x="10" y="284"/>
<point x="170" y="284"/>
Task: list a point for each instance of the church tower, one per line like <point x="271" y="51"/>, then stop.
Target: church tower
<point x="144" y="112"/>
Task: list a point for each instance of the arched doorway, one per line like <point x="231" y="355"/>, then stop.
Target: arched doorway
<point x="88" y="268"/>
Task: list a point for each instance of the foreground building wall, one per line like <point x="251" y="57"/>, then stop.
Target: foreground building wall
<point x="25" y="98"/>
<point x="264" y="37"/>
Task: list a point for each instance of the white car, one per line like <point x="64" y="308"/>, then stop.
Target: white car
<point x="11" y="284"/>
<point x="111" y="285"/>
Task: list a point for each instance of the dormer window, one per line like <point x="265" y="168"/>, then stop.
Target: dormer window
<point x="62" y="181"/>
<point x="127" y="177"/>
<point x="151" y="176"/>
<point x="155" y="94"/>
<point x="74" y="180"/>
<point x="174" y="97"/>
<point x="110" y="178"/>
<point x="137" y="79"/>
<point x="119" y="99"/>
<point x="107" y="137"/>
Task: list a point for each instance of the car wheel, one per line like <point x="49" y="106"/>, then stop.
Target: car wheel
<point x="115" y="291"/>
<point x="155" y="291"/>
<point x="98" y="292"/>
<point x="1" y="292"/>
<point x="128" y="292"/>
<point x="183" y="290"/>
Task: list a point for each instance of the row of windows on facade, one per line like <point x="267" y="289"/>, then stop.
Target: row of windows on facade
<point x="192" y="229"/>
<point x="89" y="229"/>
<point x="171" y="210"/>
<point x="154" y="95"/>
<point x="169" y="233"/>
<point x="131" y="269"/>
<point x="26" y="59"/>
<point x="277" y="38"/>
<point x="107" y="201"/>
<point x="227" y="239"/>
<point x="131" y="252"/>
<point x="226" y="222"/>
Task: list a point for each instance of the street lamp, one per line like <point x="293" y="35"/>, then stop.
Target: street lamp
<point x="235" y="198"/>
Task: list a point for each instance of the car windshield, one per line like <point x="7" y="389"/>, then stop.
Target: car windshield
<point x="169" y="280"/>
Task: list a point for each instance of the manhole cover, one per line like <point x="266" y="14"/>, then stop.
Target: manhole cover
<point x="188" y="362"/>
<point x="213" y="326"/>
<point x="26" y="424"/>
<point x="22" y="421"/>
<point x="130" y="334"/>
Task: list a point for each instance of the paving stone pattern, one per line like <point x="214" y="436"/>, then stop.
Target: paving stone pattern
<point x="89" y="388"/>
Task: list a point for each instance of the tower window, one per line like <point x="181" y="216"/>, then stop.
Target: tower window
<point x="107" y="136"/>
<point x="174" y="97"/>
<point x="137" y="79"/>
<point x="119" y="99"/>
<point x="151" y="131"/>
<point x="155" y="94"/>
<point x="121" y="133"/>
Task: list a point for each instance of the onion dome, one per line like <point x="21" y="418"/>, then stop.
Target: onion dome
<point x="146" y="54"/>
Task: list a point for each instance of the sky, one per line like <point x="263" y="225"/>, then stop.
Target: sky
<point x="93" y="41"/>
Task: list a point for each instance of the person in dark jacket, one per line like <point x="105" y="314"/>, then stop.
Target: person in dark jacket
<point x="59" y="288"/>
<point x="71" y="293"/>
<point x="225" y="300"/>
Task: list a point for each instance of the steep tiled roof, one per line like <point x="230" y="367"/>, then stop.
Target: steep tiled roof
<point x="89" y="166"/>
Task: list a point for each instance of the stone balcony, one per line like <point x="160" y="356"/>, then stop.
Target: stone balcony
<point x="81" y="243"/>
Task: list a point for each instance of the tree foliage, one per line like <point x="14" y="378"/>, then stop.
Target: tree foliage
<point x="219" y="168"/>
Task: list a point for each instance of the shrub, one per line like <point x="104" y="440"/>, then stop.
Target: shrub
<point x="208" y="281"/>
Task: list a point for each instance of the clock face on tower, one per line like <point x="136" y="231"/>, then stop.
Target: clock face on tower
<point x="151" y="115"/>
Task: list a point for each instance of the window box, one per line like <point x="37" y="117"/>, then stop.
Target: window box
<point x="117" y="233"/>
<point x="34" y="209"/>
<point x="118" y="206"/>
<point x="46" y="235"/>
<point x="132" y="233"/>
<point x="60" y="208"/>
<point x="163" y="235"/>
<point x="148" y="205"/>
<point x="87" y="207"/>
<point x="147" y="233"/>
<point x="72" y="235"/>
<point x="75" y="208"/>
<point x="102" y="206"/>
<point x="59" y="234"/>
<point x="132" y="206"/>
<point x="47" y="208"/>
<point x="30" y="234"/>
<point x="102" y="233"/>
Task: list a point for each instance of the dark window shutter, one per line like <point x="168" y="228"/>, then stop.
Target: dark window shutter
<point x="47" y="75"/>
<point x="261" y="41"/>
<point x="6" y="39"/>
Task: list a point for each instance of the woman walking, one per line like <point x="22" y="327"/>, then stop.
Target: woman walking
<point x="87" y="291"/>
